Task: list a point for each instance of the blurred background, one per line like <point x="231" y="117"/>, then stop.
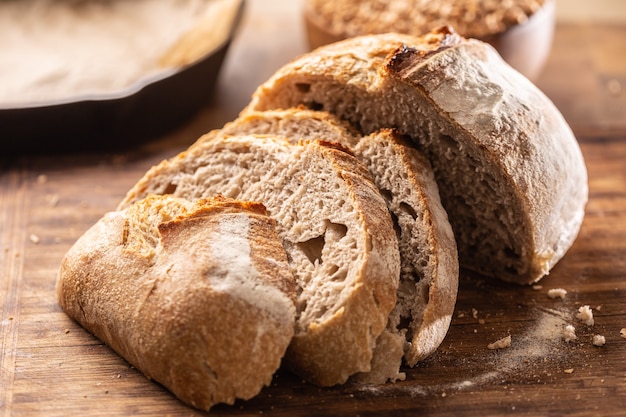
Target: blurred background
<point x="591" y="10"/>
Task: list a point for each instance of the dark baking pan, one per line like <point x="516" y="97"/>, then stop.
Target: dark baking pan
<point x="106" y="122"/>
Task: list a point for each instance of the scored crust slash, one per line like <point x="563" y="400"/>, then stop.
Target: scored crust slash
<point x="380" y="178"/>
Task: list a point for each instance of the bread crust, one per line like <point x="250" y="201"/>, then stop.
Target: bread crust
<point x="167" y="303"/>
<point x="429" y="263"/>
<point x="500" y="125"/>
<point x="429" y="276"/>
<point x="342" y="304"/>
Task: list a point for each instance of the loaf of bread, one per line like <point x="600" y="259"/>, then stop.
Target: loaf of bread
<point x="510" y="172"/>
<point x="196" y="295"/>
<point x="426" y="294"/>
<point x="355" y="149"/>
<point x="333" y="224"/>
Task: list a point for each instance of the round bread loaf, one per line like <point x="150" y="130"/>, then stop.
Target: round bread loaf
<point x="510" y="172"/>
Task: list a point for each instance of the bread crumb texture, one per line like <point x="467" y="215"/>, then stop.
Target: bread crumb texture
<point x="585" y="314"/>
<point x="598" y="340"/>
<point x="503" y="343"/>
<point x="569" y="333"/>
<point x="557" y="293"/>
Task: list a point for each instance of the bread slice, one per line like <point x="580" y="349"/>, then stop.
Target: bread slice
<point x="196" y="295"/>
<point x="333" y="224"/>
<point x="429" y="258"/>
<point x="510" y="172"/>
<point x="429" y="264"/>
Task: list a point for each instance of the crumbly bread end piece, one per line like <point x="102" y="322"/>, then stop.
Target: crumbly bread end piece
<point x="429" y="261"/>
<point x="196" y="295"/>
<point x="510" y="172"/>
<point x="332" y="222"/>
<point x="330" y="21"/>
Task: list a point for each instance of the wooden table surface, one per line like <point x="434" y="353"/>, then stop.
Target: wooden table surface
<point x="52" y="367"/>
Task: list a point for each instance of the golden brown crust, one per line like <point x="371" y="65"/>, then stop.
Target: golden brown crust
<point x="326" y="350"/>
<point x="430" y="307"/>
<point x="395" y="167"/>
<point x="174" y="309"/>
<point x="333" y="223"/>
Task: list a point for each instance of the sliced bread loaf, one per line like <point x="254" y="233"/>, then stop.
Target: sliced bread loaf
<point x="198" y="296"/>
<point x="429" y="264"/>
<point x="333" y="224"/>
<point x="510" y="172"/>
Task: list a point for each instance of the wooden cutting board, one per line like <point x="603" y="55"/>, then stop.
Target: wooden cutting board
<point x="52" y="367"/>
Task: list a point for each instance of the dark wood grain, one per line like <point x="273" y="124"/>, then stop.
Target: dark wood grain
<point x="52" y="367"/>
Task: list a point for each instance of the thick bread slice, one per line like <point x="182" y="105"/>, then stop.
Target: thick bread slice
<point x="334" y="225"/>
<point x="429" y="263"/>
<point x="510" y="172"/>
<point x="198" y="296"/>
<point x="430" y="269"/>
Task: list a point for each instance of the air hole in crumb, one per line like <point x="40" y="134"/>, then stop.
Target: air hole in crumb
<point x="338" y="275"/>
<point x="303" y="87"/>
<point x="312" y="248"/>
<point x="408" y="209"/>
<point x="387" y="196"/>
<point x="170" y="189"/>
<point x="423" y="290"/>
<point x="510" y="253"/>
<point x="316" y="106"/>
<point x="337" y="231"/>
<point x="396" y="225"/>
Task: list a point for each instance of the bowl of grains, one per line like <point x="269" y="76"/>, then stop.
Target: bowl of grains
<point x="521" y="30"/>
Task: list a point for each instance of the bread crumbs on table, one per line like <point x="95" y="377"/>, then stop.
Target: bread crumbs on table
<point x="569" y="333"/>
<point x="623" y="332"/>
<point x="557" y="293"/>
<point x="598" y="340"/>
<point x="585" y="314"/>
<point x="503" y="343"/>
